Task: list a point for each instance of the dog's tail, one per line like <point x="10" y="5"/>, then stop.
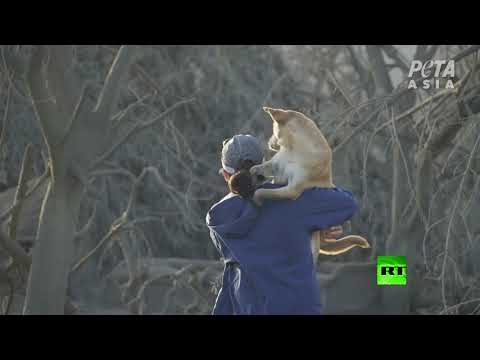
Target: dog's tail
<point x="340" y="246"/>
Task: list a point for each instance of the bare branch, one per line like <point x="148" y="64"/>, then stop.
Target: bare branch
<point x="43" y="102"/>
<point x="109" y="172"/>
<point x="381" y="76"/>
<point x="347" y="101"/>
<point x="266" y="98"/>
<point x="363" y="74"/>
<point x="359" y="128"/>
<point x="467" y="52"/>
<point x="452" y="217"/>
<point x="423" y="183"/>
<point x="424" y="53"/>
<point x="396" y="194"/>
<point x="456" y="306"/>
<point x="138" y="69"/>
<point x="25" y="174"/>
<point x="118" y="225"/>
<point x="117" y="73"/>
<point x="403" y="157"/>
<point x="393" y="53"/>
<point x="448" y="132"/>
<point x="39" y="182"/>
<point x="61" y="82"/>
<point x="442" y="94"/>
<point x="14" y="249"/>
<point x="5" y="114"/>
<point x="117" y="118"/>
<point x="136" y="128"/>
<point x="10" y="296"/>
<point x="52" y="87"/>
<point x="86" y="228"/>
<point x="122" y="223"/>
<point x="74" y="117"/>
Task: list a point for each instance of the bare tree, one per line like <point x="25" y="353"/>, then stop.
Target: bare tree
<point x="78" y="139"/>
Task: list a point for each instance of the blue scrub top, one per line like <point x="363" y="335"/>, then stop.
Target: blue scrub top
<point x="269" y="267"/>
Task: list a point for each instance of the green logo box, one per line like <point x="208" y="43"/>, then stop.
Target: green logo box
<point x="392" y="270"/>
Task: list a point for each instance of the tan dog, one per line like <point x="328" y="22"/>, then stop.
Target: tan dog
<point x="303" y="160"/>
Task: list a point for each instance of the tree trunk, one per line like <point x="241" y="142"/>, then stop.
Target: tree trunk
<point x="47" y="284"/>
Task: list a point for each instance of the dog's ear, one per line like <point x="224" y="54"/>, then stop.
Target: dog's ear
<point x="278" y="115"/>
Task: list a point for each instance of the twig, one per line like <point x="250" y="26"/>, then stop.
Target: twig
<point x="15" y="250"/>
<point x="26" y="173"/>
<point x="117" y="118"/>
<point x="111" y="89"/>
<point x="458" y="305"/>
<point x="359" y="128"/>
<point x="84" y="230"/>
<point x="450" y="223"/>
<point x="5" y="115"/>
<point x="11" y="246"/>
<point x="365" y="161"/>
<point x="137" y="127"/>
<point x="266" y="98"/>
<point x="11" y="209"/>
<point x="472" y="49"/>
<point x="75" y="115"/>
<point x="342" y="92"/>
<point x="364" y="76"/>
<point x="118" y="225"/>
<point x="405" y="162"/>
<point x="10" y="296"/>
<point x="395" y="197"/>
<point x="395" y="55"/>
<point x="121" y="223"/>
<point x="413" y="110"/>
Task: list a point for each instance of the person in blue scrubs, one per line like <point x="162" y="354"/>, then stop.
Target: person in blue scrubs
<point x="269" y="267"/>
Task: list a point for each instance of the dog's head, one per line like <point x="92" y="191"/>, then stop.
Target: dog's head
<point x="299" y="135"/>
<point x="281" y="136"/>
<point x="290" y="128"/>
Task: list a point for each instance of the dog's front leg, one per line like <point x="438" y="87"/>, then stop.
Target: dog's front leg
<point x="265" y="169"/>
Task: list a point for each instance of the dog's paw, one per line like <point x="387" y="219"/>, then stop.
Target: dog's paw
<point x="257" y="199"/>
<point x="256" y="170"/>
<point x="257" y="175"/>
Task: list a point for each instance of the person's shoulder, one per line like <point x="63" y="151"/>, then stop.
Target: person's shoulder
<point x="230" y="203"/>
<point x="229" y="200"/>
<point x="327" y="194"/>
<point x="327" y="191"/>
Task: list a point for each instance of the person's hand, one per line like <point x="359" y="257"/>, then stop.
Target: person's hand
<point x="333" y="232"/>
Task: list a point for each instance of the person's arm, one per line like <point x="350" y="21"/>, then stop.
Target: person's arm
<point x="331" y="207"/>
<point x="325" y="208"/>
<point x="332" y="233"/>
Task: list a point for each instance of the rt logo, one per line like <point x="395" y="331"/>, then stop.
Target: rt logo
<point x="391" y="270"/>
